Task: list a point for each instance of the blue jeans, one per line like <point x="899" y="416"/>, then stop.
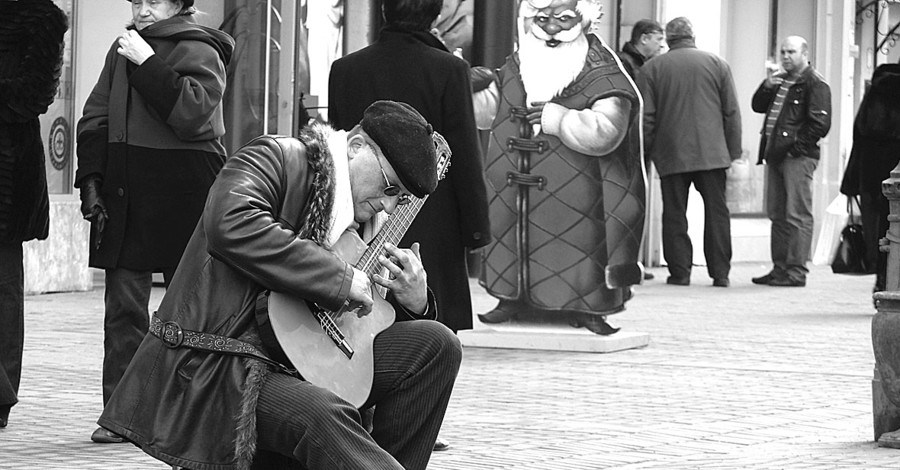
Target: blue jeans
<point x="789" y="206"/>
<point x="12" y="323"/>
<point x="126" y="321"/>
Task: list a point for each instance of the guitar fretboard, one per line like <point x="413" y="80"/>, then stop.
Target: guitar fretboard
<point x="391" y="232"/>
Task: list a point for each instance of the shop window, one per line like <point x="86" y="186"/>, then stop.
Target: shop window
<point x="57" y="123"/>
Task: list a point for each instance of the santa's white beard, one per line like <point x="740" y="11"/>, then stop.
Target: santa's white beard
<point x="548" y="70"/>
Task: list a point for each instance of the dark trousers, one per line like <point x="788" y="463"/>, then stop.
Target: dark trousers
<point x="126" y="321"/>
<point x="416" y="363"/>
<point x="677" y="248"/>
<point x="789" y="207"/>
<point x="12" y="323"/>
<point x="875" y="209"/>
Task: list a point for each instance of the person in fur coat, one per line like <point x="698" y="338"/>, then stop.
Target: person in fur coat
<point x="876" y="151"/>
<point x="31" y="45"/>
<point x="274" y="213"/>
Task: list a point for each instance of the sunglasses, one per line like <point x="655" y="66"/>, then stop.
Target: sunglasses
<point x="392" y="190"/>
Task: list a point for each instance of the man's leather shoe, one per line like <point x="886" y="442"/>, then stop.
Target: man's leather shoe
<point x="764" y="280"/>
<point x="678" y="281"/>
<point x="504" y="311"/>
<point x="721" y="282"/>
<point x="105" y="436"/>
<point x="441" y="445"/>
<point x="787" y="282"/>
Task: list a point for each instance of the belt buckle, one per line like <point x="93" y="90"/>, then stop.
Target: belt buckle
<point x="171" y="335"/>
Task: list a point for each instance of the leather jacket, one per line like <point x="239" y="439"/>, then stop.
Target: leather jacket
<point x="804" y="119"/>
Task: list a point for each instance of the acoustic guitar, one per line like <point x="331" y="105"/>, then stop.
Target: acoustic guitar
<point x="334" y="349"/>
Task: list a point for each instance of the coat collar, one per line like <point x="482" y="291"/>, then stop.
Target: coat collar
<point x="682" y="43"/>
<point x="631" y="50"/>
<point x="394" y="33"/>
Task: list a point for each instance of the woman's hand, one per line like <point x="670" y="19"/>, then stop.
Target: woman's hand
<point x="134" y="48"/>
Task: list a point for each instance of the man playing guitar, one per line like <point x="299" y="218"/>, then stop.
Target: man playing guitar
<point x="211" y="387"/>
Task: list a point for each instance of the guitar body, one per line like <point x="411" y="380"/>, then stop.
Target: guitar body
<point x="313" y="352"/>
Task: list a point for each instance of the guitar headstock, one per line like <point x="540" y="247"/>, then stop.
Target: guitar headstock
<point x="442" y="149"/>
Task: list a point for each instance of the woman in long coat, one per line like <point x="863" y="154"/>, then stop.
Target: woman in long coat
<point x="148" y="150"/>
<point x="875" y="152"/>
<point x="409" y="64"/>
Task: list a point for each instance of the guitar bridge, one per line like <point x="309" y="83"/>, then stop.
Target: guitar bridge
<point x="333" y="332"/>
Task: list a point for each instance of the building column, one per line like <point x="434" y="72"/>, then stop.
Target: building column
<point x="494" y="32"/>
<point x="362" y="21"/>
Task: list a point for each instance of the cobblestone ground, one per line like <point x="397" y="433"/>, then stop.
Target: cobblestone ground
<point x="744" y="377"/>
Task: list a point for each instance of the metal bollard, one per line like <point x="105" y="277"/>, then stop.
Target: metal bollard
<point x="886" y="325"/>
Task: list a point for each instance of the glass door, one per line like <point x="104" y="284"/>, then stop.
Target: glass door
<point x="260" y="96"/>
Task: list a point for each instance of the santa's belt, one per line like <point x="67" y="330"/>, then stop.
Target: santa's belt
<point x="527" y="145"/>
<point x="174" y="336"/>
<point x="525" y="179"/>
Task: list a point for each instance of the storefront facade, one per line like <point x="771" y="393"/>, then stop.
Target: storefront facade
<point x="284" y="49"/>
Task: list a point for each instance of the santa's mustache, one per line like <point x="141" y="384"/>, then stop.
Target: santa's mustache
<point x="553" y="40"/>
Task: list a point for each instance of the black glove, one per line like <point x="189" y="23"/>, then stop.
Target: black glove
<point x="92" y="206"/>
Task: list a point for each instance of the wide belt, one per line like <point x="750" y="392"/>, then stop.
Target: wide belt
<point x="173" y="336"/>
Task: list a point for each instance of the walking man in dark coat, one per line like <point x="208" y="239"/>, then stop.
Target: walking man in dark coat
<point x="409" y="64"/>
<point x="692" y="132"/>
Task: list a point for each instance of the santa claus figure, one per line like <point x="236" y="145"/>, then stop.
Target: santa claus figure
<point x="564" y="172"/>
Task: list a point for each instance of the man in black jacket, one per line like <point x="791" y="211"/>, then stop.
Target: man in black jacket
<point x="647" y="40"/>
<point x="797" y="104"/>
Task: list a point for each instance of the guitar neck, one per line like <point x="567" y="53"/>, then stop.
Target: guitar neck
<point x="398" y="222"/>
<point x="391" y="231"/>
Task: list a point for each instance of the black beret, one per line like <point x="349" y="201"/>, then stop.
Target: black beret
<point x="405" y="138"/>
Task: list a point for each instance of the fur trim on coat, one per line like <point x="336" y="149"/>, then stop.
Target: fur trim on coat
<point x="314" y="227"/>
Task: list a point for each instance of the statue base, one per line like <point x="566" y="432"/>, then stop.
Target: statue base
<point x="885" y="390"/>
<point x="551" y="338"/>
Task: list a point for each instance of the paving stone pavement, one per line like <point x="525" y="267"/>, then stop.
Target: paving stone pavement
<point x="744" y="377"/>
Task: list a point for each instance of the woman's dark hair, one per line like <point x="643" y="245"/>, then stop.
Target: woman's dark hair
<point x="415" y="15"/>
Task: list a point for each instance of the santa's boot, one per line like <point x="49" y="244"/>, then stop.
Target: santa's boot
<point x="505" y="311"/>
<point x="595" y="323"/>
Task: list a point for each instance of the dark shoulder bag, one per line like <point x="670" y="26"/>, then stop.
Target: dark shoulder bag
<point x="850" y="257"/>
